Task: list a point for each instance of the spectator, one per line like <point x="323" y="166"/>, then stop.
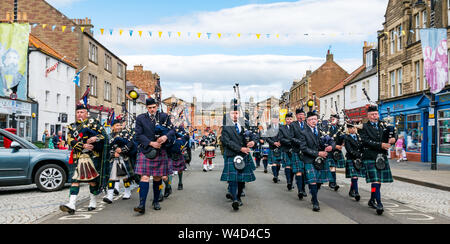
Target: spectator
<point x="400" y="149"/>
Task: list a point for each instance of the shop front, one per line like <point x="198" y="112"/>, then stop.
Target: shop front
<point x="17" y="115"/>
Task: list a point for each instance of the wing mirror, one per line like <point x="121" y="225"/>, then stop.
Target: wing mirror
<point x="16" y="146"/>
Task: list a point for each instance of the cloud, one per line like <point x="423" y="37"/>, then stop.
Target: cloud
<point x="325" y="21"/>
<point x="62" y="3"/>
<point x="211" y="77"/>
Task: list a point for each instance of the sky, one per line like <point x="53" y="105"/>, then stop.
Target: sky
<point x="208" y="68"/>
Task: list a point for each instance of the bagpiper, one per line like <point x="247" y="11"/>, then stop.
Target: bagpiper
<point x="336" y="157"/>
<point x="273" y="139"/>
<point x="153" y="130"/>
<point x="290" y="150"/>
<point x="376" y="143"/>
<point x="354" y="169"/>
<point x="239" y="166"/>
<point x="315" y="148"/>
<point x="299" y="169"/>
<point x="88" y="159"/>
<point x="122" y="150"/>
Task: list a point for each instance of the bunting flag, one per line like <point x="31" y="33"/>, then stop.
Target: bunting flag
<point x="209" y="35"/>
<point x="43" y="26"/>
<point x="239" y="34"/>
<point x="120" y="32"/>
<point x="150" y="33"/>
<point x="34" y="25"/>
<point x="140" y="33"/>
<point x="179" y="34"/>
<point x="258" y="36"/>
<point x="169" y="33"/>
<point x="111" y="31"/>
<point x="160" y="34"/>
<point x="63" y="28"/>
<point x="199" y="34"/>
<point x="131" y="32"/>
<point x="82" y="29"/>
<point x="53" y="27"/>
<point x="219" y="35"/>
<point x="73" y="28"/>
<point x="102" y="30"/>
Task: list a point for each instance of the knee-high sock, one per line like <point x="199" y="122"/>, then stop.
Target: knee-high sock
<point x="168" y="182"/>
<point x="265" y="164"/>
<point x="156" y="190"/>
<point x="241" y="186"/>
<point x="288" y="172"/>
<point x="278" y="169"/>
<point x="378" y="193"/>
<point x="94" y="190"/>
<point x="372" y="192"/>
<point x="233" y="187"/>
<point x="299" y="181"/>
<point x="143" y="191"/>
<point x="74" y="190"/>
<point x="258" y="161"/>
<point x="275" y="171"/>
<point x="334" y="177"/>
<point x="180" y="178"/>
<point x="355" y="185"/>
<point x="314" y="191"/>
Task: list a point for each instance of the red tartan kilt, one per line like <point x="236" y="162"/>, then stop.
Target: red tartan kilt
<point x="160" y="166"/>
<point x="179" y="165"/>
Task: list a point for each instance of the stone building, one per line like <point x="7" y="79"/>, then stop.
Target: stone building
<point x="318" y="82"/>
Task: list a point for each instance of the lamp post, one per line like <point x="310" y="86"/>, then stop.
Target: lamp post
<point x="134" y="95"/>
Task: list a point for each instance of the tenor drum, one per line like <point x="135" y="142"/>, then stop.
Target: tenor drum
<point x="210" y="152"/>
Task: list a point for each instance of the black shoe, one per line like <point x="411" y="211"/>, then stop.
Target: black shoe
<point x="124" y="198"/>
<point x="90" y="209"/>
<point x="156" y="206"/>
<point x="180" y="187"/>
<point x="105" y="199"/>
<point x="204" y="170"/>
<point x="372" y="204"/>
<point x="66" y="209"/>
<point x="336" y="187"/>
<point x="357" y="197"/>
<point x="243" y="193"/>
<point x="228" y="196"/>
<point x="380" y="209"/>
<point x="300" y="196"/>
<point x="116" y="192"/>
<point x="161" y="198"/>
<point x="265" y="171"/>
<point x="235" y="205"/>
<point x="316" y="207"/>
<point x="275" y="180"/>
<point x="289" y="187"/>
<point x="140" y="209"/>
<point x="240" y="202"/>
<point x="167" y="192"/>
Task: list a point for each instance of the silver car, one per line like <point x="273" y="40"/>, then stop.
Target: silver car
<point x="22" y="163"/>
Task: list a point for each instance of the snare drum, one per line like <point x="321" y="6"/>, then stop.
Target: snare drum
<point x="265" y="150"/>
<point x="210" y="152"/>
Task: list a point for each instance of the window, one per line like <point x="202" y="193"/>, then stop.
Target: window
<point x="424" y="79"/>
<point x="417" y="72"/>
<point x="369" y="60"/>
<point x="47" y="62"/>
<point x="107" y="91"/>
<point x="93" y="84"/>
<point x="392" y="74"/>
<point x="417" y="26"/>
<point x="119" y="95"/>
<point x="93" y="52"/>
<point x="400" y="81"/>
<point x="338" y="100"/>
<point x="67" y="101"/>
<point x="444" y="132"/>
<point x="392" y="46"/>
<point x="58" y="98"/>
<point x="120" y="70"/>
<point x="47" y="94"/>
<point x="424" y="19"/>
<point x="326" y="105"/>
<point x="413" y="137"/>
<point x="108" y="62"/>
<point x="399" y="38"/>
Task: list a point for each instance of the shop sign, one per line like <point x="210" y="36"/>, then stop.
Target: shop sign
<point x="12" y="106"/>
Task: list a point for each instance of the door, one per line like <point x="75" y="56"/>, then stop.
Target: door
<point x="14" y="164"/>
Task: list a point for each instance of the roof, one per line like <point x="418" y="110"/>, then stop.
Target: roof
<point x="349" y="78"/>
<point x="44" y="48"/>
<point x="363" y="75"/>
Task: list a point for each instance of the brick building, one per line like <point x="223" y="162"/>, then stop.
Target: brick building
<point x="404" y="91"/>
<point x="145" y="80"/>
<point x="317" y="82"/>
<point x="105" y="72"/>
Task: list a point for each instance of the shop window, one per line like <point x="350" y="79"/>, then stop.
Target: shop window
<point x="444" y="132"/>
<point x="413" y="133"/>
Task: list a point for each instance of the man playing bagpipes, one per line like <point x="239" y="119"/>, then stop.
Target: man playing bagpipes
<point x="153" y="133"/>
<point x="336" y="157"/>
<point x="122" y="149"/>
<point x="89" y="158"/>
<point x="179" y="152"/>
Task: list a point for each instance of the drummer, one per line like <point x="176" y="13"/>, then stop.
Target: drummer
<point x="208" y="141"/>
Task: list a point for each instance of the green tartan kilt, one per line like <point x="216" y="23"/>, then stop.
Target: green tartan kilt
<point x="351" y="172"/>
<point x="375" y="175"/>
<point x="230" y="173"/>
<point x="317" y="176"/>
<point x="252" y="162"/>
<point x="285" y="160"/>
<point x="272" y="159"/>
<point x="294" y="162"/>
<point x="340" y="164"/>
<point x="73" y="167"/>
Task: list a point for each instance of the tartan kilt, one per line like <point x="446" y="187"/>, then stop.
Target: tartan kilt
<point x="73" y="167"/>
<point x="286" y="161"/>
<point x="298" y="166"/>
<point x="229" y="173"/>
<point x="160" y="166"/>
<point x="351" y="172"/>
<point x="179" y="165"/>
<point x="340" y="164"/>
<point x="252" y="163"/>
<point x="317" y="176"/>
<point x="274" y="160"/>
<point x="375" y="175"/>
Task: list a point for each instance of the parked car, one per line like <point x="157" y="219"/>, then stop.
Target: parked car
<point x="22" y="163"/>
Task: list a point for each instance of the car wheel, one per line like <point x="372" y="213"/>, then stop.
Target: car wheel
<point x="50" y="177"/>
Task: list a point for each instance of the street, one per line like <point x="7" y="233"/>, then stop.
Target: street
<point x="203" y="202"/>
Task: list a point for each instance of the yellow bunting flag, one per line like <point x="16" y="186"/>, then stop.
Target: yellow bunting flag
<point x="258" y="36"/>
<point x="63" y="28"/>
<point x="82" y="29"/>
<point x="120" y="32"/>
<point x="43" y="26"/>
<point x="278" y="35"/>
<point x="239" y="34"/>
<point x="403" y="33"/>
<point x="179" y="34"/>
<point x="160" y="34"/>
<point x="140" y="33"/>
<point x="199" y="35"/>
<point x="219" y="35"/>
<point x="102" y="30"/>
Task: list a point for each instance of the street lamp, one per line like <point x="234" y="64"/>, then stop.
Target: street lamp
<point x="134" y="95"/>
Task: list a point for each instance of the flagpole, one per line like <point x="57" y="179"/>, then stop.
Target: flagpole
<point x="433" y="102"/>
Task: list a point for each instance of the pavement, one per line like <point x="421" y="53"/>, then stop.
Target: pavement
<point x="420" y="173"/>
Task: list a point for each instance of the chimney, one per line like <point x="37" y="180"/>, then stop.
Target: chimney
<point x="309" y="72"/>
<point x="86" y="23"/>
<point x="329" y="56"/>
<point x="139" y="67"/>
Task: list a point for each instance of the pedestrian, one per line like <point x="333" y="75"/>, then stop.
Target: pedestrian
<point x="376" y="163"/>
<point x="315" y="151"/>
<point x="353" y="167"/>
<point x="400" y="148"/>
<point x="236" y="149"/>
<point x="89" y="157"/>
<point x="152" y="157"/>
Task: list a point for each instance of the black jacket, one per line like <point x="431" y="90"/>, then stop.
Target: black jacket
<point x="145" y="130"/>
<point x="232" y="142"/>
<point x="353" y="147"/>
<point x="371" y="138"/>
<point x="288" y="140"/>
<point x="309" y="145"/>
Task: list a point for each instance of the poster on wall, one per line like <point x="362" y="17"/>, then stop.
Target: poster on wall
<point x="13" y="59"/>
